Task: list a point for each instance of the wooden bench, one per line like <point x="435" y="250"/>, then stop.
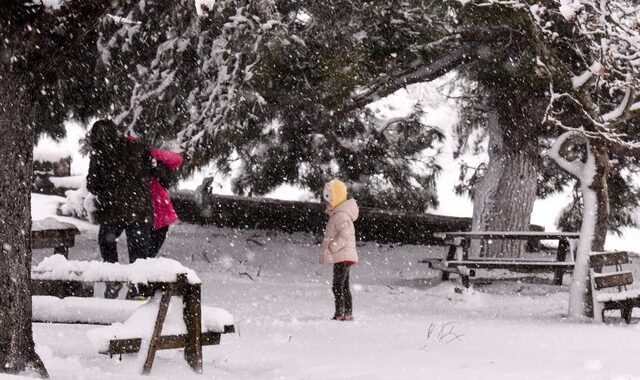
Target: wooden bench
<point x="609" y="283"/>
<point x="170" y="279"/>
<point x="458" y="261"/>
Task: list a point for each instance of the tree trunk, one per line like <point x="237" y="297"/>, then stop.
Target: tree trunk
<point x="593" y="174"/>
<point x="595" y="223"/>
<point x="503" y="200"/>
<point x="601" y="188"/>
<point x="17" y="349"/>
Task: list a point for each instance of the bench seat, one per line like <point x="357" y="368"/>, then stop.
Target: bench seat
<point x="619" y="296"/>
<point x="609" y="284"/>
<point x="466" y="268"/>
<point x="139" y="327"/>
<point x="82" y="310"/>
<point x="507" y="264"/>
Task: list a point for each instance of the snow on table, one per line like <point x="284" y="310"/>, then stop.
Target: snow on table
<point x="82" y="309"/>
<point x="71" y="182"/>
<point x="141" y="323"/>
<point x="57" y="267"/>
<point x="51" y="224"/>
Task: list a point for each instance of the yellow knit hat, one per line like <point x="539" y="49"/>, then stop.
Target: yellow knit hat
<point x="335" y="192"/>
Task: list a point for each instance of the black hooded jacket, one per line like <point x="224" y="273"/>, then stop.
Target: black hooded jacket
<point x="118" y="176"/>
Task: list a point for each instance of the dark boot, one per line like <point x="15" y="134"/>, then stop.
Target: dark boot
<point x="136" y="293"/>
<point x="112" y="290"/>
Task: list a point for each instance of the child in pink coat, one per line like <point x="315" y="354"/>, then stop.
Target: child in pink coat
<point x="163" y="211"/>
<point x="339" y="244"/>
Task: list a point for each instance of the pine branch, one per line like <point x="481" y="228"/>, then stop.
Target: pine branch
<point x="441" y="66"/>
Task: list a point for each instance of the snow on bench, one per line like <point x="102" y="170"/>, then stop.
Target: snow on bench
<point x="618" y="296"/>
<point x="97" y="311"/>
<point x="140" y="324"/>
<point x="57" y="267"/>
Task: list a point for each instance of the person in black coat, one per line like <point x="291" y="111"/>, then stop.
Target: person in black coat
<point x="119" y="172"/>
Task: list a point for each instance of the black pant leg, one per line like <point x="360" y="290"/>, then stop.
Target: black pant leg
<point x="107" y="241"/>
<point x="338" y="287"/>
<point x="137" y="242"/>
<point x="157" y="239"/>
<point x="348" y="307"/>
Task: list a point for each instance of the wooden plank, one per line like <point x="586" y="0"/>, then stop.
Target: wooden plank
<point x="210" y="339"/>
<point x="451" y="254"/>
<point x="165" y="342"/>
<point x="505" y="235"/>
<point x="53" y="242"/>
<point x="61" y="289"/>
<point x="192" y="315"/>
<point x="510" y="264"/>
<point x="123" y="346"/>
<point x="561" y="256"/>
<point x="157" y="329"/>
<point x="611" y="280"/>
<point x="598" y="260"/>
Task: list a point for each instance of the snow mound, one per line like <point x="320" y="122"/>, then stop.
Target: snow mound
<point x="593" y="365"/>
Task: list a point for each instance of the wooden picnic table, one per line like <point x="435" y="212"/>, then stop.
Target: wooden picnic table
<point x="52" y="233"/>
<point x="168" y="277"/>
<point x="458" y="261"/>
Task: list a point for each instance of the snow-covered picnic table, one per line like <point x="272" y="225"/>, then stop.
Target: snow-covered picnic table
<point x="173" y="318"/>
<point x="52" y="233"/>
<point x="458" y="261"/>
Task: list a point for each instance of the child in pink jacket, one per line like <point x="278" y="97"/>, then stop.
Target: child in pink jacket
<point x="339" y="244"/>
<point x="163" y="212"/>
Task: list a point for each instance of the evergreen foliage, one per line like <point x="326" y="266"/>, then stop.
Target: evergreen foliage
<point x="256" y="82"/>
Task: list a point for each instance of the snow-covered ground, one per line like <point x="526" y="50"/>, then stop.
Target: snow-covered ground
<point x="408" y="324"/>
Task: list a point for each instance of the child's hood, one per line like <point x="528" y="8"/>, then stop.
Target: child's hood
<point x="172" y="160"/>
<point x="349" y="207"/>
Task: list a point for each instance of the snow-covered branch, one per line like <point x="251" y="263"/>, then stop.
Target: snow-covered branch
<point x="123" y="20"/>
<point x="388" y="86"/>
<point x="575" y="166"/>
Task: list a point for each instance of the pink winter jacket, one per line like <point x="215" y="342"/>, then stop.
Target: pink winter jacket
<point x="339" y="242"/>
<point x="163" y="211"/>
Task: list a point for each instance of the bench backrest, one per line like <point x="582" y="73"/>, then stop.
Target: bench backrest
<point x="616" y="278"/>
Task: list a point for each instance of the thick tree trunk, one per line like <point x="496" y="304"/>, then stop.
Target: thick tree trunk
<point x="17" y="349"/>
<point x="503" y="200"/>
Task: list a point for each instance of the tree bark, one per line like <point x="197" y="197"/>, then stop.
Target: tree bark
<point x="503" y="200"/>
<point x="601" y="188"/>
<point x="17" y="349"/>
